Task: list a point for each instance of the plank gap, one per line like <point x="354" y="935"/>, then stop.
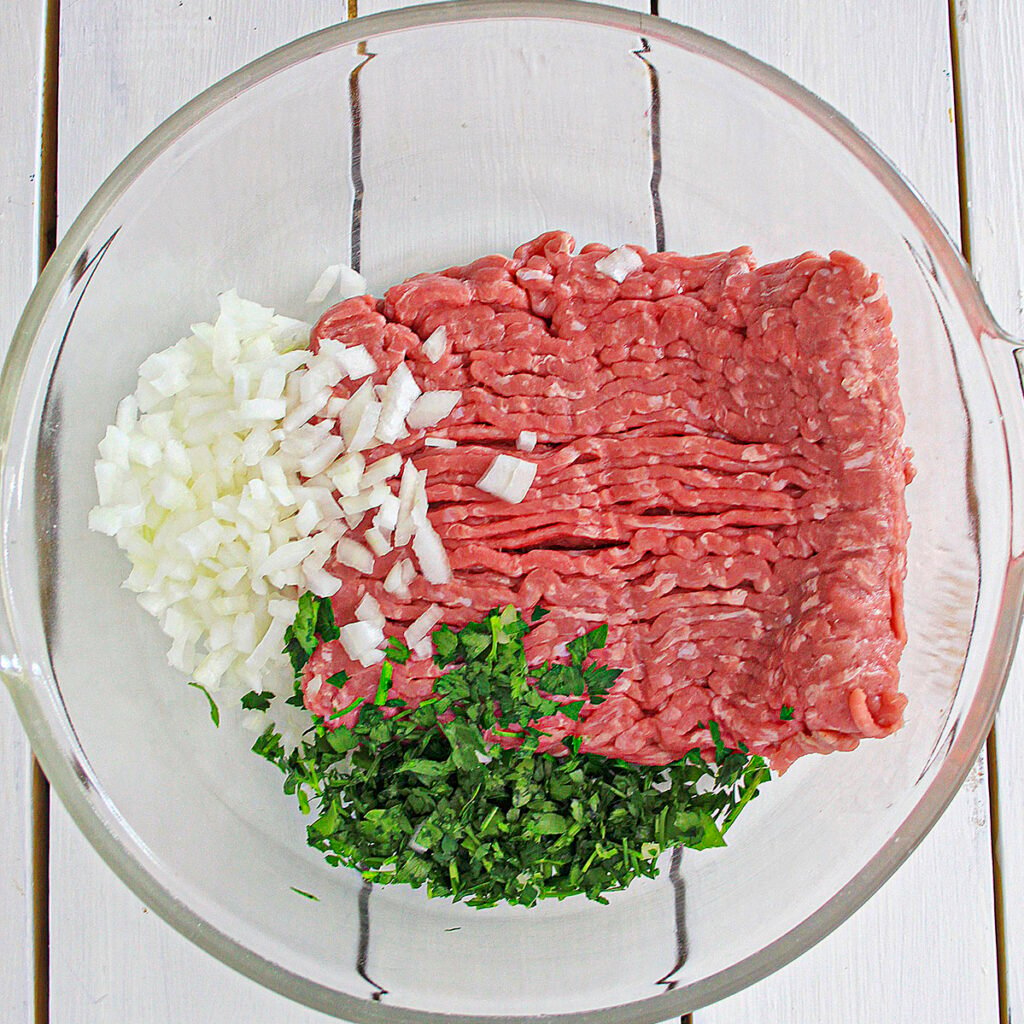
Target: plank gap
<point x="998" y="894"/>
<point x="46" y="204"/>
<point x="40" y="798"/>
<point x="46" y="242"/>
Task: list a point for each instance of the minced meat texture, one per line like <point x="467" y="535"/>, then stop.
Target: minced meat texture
<point x="720" y="478"/>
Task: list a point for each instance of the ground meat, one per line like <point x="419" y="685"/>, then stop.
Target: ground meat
<point x="720" y="477"/>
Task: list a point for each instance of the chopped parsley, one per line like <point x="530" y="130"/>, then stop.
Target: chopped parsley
<point x="253" y="701"/>
<point x="214" y="710"/>
<point x="786" y="714"/>
<point x="427" y="796"/>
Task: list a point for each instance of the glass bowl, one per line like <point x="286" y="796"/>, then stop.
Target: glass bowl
<point x="422" y="138"/>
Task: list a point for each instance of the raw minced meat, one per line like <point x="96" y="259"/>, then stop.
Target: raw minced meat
<point x="720" y="478"/>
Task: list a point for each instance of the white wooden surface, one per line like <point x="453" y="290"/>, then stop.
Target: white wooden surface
<point x="922" y="950"/>
<point x="887" y="66"/>
<point x="990" y="34"/>
<point x="19" y="144"/>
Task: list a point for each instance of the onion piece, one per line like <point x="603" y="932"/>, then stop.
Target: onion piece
<point x="395" y="582"/>
<point x="368" y="610"/>
<point x="430" y="553"/>
<point x="376" y="541"/>
<point x="400" y="393"/>
<point x="434" y="347"/>
<point x="406" y="496"/>
<point x="431" y="407"/>
<point x="360" y="638"/>
<point x="620" y="263"/>
<point x="382" y="469"/>
<point x="351" y="553"/>
<point x="526" y="441"/>
<point x="439" y="442"/>
<point x="508" y="478"/>
<point x="324" y="283"/>
<point x="350" y="283"/>
<point x="420" y="628"/>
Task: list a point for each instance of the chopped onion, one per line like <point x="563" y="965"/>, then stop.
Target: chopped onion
<point x="620" y="263"/>
<point x="324" y="283"/>
<point x="439" y="442"/>
<point x="355" y="361"/>
<point x="351" y="553"/>
<point x="526" y="441"/>
<point x="382" y="469"/>
<point x="395" y="582"/>
<point x="399" y="395"/>
<point x="360" y="638"/>
<point x="430" y="553"/>
<point x="508" y="478"/>
<point x="434" y="347"/>
<point x="368" y="610"/>
<point x="430" y="408"/>
<point x="347" y="474"/>
<point x="420" y="628"/>
<point x="377" y="542"/>
<point x="406" y="496"/>
<point x="350" y="283"/>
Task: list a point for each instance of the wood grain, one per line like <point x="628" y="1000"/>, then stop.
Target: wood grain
<point x="990" y="38"/>
<point x="923" y="948"/>
<point x="19" y="154"/>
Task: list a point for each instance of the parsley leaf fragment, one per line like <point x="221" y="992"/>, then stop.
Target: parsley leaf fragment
<point x="214" y="710"/>
<point x="786" y="714"/>
<point x="253" y="701"/>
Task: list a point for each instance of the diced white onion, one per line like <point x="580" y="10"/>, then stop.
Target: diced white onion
<point x="382" y="469"/>
<point x="508" y="478"/>
<point x="434" y="347"/>
<point x="395" y="582"/>
<point x="420" y="628"/>
<point x="324" y="283"/>
<point x="351" y="553"/>
<point x="356" y="362"/>
<point x="439" y="442"/>
<point x="526" y="441"/>
<point x="368" y="610"/>
<point x="430" y="553"/>
<point x="377" y="542"/>
<point x="399" y="395"/>
<point x="351" y="283"/>
<point x="620" y="263"/>
<point x="359" y="638"/>
<point x="430" y="408"/>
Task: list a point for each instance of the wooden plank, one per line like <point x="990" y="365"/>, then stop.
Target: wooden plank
<point x="125" y="66"/>
<point x="990" y="39"/>
<point x="20" y="118"/>
<point x="908" y="955"/>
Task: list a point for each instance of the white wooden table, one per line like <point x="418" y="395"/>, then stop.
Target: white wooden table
<point x="939" y="86"/>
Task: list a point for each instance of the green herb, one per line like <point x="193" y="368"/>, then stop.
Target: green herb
<point x="786" y="714"/>
<point x="397" y="651"/>
<point x="253" y="701"/>
<point x="386" y="672"/>
<point x="214" y="710"/>
<point x="339" y="679"/>
<point x="302" y="892"/>
<point x="425" y="795"/>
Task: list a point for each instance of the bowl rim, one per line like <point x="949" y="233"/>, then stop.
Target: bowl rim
<point x="52" y="735"/>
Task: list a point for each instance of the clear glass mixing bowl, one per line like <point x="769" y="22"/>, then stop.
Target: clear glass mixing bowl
<point x="417" y="139"/>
